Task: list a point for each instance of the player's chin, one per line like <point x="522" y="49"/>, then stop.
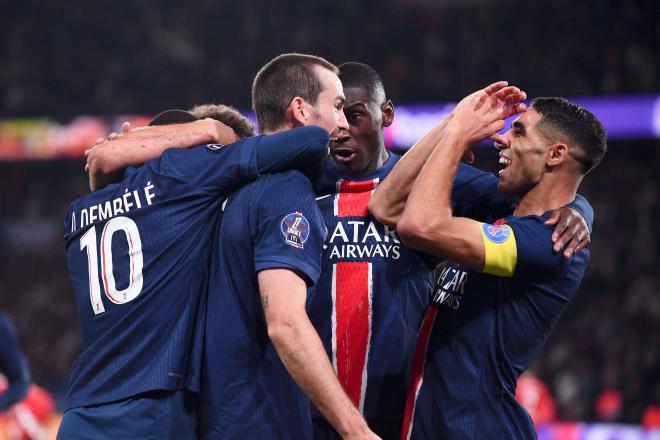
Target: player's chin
<point x="505" y="187"/>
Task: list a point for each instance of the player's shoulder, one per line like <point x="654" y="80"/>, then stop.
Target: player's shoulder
<point x="535" y="247"/>
<point x="293" y="178"/>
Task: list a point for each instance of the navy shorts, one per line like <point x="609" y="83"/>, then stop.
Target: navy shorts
<point x="152" y="415"/>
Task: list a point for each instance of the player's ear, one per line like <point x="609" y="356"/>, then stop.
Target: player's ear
<point x="299" y="111"/>
<point x="557" y="154"/>
<point x="387" y="108"/>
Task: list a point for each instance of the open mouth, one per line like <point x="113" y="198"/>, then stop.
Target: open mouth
<point x="504" y="161"/>
<point x="342" y="154"/>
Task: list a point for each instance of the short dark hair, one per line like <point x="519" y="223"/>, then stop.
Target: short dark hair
<point x="564" y="120"/>
<point x="363" y="76"/>
<point x="227" y="115"/>
<point x="282" y="79"/>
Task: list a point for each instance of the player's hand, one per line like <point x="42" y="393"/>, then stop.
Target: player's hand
<point x="481" y="115"/>
<point x="125" y="128"/>
<point x="223" y="134"/>
<point x="570" y="228"/>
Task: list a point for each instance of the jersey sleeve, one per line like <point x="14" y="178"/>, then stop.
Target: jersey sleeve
<point x="522" y="241"/>
<point x="291" y="231"/>
<point x="582" y="205"/>
<point x="301" y="148"/>
<point x="13" y="365"/>
<point x="212" y="168"/>
<point x="475" y="195"/>
<point x="223" y="168"/>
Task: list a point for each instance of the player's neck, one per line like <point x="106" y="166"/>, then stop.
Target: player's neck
<point x="553" y="191"/>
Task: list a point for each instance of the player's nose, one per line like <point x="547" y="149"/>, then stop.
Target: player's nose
<point x="342" y="122"/>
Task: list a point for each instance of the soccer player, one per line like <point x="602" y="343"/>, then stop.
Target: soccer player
<point x="262" y="352"/>
<point x="13" y="366"/>
<point x="504" y="289"/>
<point x="373" y="289"/>
<point x="138" y="257"/>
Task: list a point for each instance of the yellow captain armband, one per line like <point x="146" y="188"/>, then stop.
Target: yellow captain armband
<point x="500" y="251"/>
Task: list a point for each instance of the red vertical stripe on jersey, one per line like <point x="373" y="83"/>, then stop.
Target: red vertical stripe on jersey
<point x="417" y="371"/>
<point x="353" y="197"/>
<point x="352" y="310"/>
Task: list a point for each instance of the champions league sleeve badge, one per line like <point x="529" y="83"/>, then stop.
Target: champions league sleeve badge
<point x="295" y="228"/>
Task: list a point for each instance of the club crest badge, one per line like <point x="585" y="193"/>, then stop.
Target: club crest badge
<point x="497" y="233"/>
<point x="295" y="228"/>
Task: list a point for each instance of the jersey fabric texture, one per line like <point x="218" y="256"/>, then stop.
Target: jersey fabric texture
<point x="247" y="393"/>
<point x="154" y="415"/>
<point x="373" y="291"/>
<point x="481" y="331"/>
<point x="138" y="256"/>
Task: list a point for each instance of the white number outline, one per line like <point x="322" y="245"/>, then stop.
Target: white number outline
<point x="88" y="243"/>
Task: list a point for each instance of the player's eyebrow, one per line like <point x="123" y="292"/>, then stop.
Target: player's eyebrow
<point x="355" y="105"/>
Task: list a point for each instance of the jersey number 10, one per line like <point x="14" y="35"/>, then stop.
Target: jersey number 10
<point x="88" y="242"/>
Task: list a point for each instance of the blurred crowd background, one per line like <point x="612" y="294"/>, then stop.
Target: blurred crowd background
<point x="602" y="363"/>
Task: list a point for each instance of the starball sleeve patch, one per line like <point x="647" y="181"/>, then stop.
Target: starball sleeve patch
<point x="295" y="229"/>
<point x="501" y="252"/>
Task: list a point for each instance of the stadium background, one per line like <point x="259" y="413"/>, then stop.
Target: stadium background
<point x="62" y="63"/>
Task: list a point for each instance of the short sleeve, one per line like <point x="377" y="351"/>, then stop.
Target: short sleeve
<point x="582" y="205"/>
<point x="475" y="195"/>
<point x="521" y="242"/>
<point x="291" y="231"/>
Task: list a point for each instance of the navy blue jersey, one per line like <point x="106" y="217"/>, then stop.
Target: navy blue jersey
<point x="138" y="256"/>
<point x="247" y="393"/>
<point x="481" y="332"/>
<point x="13" y="365"/>
<point x="373" y="290"/>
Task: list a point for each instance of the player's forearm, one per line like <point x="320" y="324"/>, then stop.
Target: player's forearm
<point x="390" y="197"/>
<point x="107" y="161"/>
<point x="303" y="355"/>
<point x="427" y="223"/>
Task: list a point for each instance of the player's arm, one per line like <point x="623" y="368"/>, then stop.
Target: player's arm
<point x="427" y="222"/>
<point x="106" y="161"/>
<point x="13" y="365"/>
<point x="389" y="199"/>
<point x="283" y="296"/>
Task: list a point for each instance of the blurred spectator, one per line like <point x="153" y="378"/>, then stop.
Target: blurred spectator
<point x="535" y="396"/>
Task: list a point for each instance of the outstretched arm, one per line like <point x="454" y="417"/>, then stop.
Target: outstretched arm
<point x="283" y="295"/>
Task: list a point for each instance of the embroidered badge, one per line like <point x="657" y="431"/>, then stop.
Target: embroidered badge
<point x="295" y="228"/>
<point x="497" y="233"/>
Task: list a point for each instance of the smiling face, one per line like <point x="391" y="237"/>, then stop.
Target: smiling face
<point x="361" y="149"/>
<point x="524" y="155"/>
